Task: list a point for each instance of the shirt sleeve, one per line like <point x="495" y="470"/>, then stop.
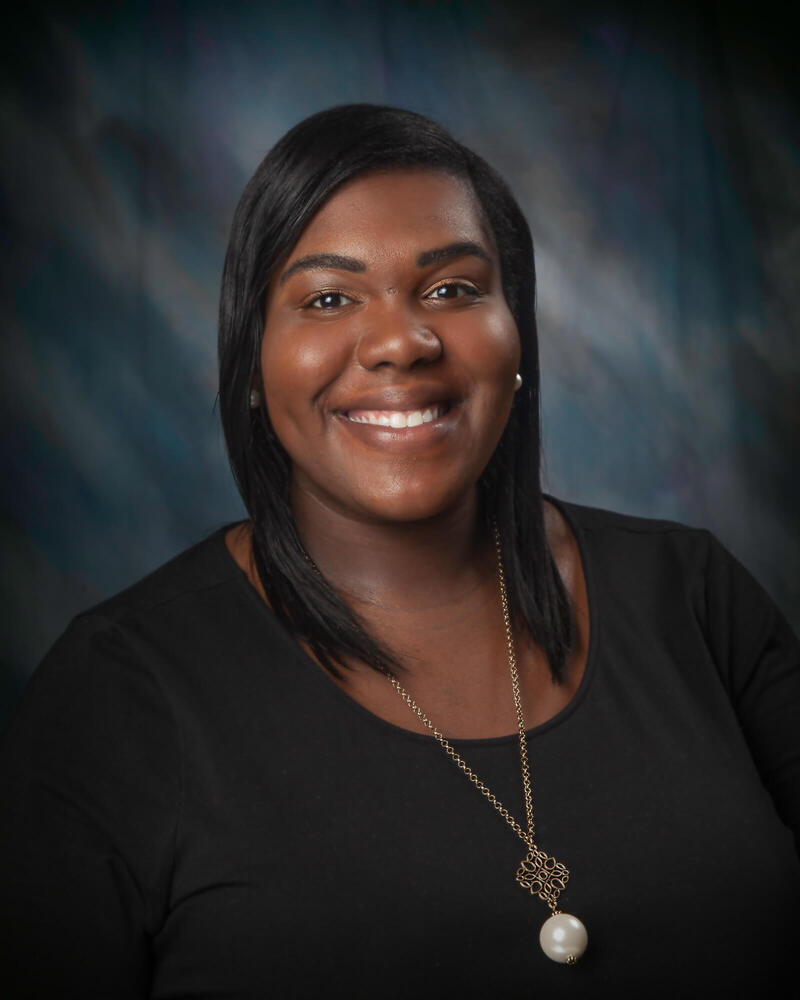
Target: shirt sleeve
<point x="758" y="656"/>
<point x="90" y="793"/>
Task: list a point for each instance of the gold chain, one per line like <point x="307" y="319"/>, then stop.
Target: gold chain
<point x="450" y="750"/>
<point x="538" y="873"/>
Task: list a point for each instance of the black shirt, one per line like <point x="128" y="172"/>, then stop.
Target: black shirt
<point x="192" y="808"/>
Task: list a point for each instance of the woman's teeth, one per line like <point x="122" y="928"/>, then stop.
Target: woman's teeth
<point x="398" y="418"/>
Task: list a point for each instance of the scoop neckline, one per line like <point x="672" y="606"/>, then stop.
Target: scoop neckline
<point x="317" y="675"/>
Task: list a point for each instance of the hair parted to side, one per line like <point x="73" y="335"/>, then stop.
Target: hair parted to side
<point x="291" y="184"/>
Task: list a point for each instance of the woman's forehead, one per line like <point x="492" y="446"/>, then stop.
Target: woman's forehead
<point x="399" y="206"/>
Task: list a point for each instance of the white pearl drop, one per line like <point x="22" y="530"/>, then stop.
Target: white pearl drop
<point x="563" y="938"/>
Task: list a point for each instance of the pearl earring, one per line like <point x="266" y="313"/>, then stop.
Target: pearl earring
<point x="517" y="382"/>
<point x="255" y="399"/>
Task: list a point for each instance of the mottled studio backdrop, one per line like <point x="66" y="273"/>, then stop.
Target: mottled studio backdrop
<point x="654" y="148"/>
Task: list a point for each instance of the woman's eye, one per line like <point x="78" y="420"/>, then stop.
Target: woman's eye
<point x="452" y="290"/>
<point x="329" y="300"/>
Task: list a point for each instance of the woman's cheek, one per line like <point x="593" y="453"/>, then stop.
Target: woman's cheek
<point x="491" y="348"/>
<point x="298" y="365"/>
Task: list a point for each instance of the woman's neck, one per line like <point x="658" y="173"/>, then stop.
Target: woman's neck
<point x="453" y="642"/>
<point x="404" y="566"/>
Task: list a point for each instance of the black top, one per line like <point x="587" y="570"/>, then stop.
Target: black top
<point x="192" y="808"/>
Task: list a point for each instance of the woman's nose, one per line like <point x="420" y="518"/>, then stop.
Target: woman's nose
<point x="398" y="339"/>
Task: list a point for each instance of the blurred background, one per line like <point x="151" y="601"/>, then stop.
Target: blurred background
<point x="654" y="147"/>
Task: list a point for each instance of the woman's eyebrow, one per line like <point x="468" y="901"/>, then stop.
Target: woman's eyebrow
<point x="320" y="260"/>
<point x="462" y="249"/>
<point x="341" y="263"/>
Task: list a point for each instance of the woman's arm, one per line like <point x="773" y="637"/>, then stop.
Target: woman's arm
<point x="90" y="792"/>
<point x="758" y="656"/>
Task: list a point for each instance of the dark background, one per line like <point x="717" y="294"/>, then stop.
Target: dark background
<point x="655" y="149"/>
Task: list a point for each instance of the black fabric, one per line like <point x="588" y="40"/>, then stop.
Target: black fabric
<point x="192" y="808"/>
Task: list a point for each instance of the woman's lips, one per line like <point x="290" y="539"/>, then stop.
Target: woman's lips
<point x="403" y="431"/>
<point x="398" y="419"/>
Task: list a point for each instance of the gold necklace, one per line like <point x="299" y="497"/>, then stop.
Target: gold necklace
<point x="562" y="937"/>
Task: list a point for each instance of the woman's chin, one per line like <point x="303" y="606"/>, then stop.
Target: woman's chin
<point x="407" y="505"/>
<point x="394" y="496"/>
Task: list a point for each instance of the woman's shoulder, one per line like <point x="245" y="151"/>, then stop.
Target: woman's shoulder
<point x="171" y="614"/>
<point x="204" y="566"/>
<point x="656" y="561"/>
<point x="668" y="560"/>
<point x="601" y="519"/>
<point x="172" y="624"/>
<point x="639" y="549"/>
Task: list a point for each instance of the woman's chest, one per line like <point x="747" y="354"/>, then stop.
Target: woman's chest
<point x="318" y="845"/>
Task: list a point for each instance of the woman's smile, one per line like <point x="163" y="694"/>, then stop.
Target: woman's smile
<point x="389" y="352"/>
<point x="403" y="419"/>
<point x="399" y="419"/>
<point x="404" y="431"/>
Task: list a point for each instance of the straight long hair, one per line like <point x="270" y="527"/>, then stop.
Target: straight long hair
<point x="295" y="179"/>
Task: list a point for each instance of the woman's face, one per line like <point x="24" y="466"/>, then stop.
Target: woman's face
<point x="389" y="352"/>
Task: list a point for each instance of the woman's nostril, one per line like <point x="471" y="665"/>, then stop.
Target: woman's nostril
<point x="398" y="347"/>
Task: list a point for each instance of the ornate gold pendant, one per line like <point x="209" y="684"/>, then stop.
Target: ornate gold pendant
<point x="542" y="876"/>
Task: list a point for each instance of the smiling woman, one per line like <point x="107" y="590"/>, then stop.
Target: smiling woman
<point x="241" y="776"/>
<point x="415" y="323"/>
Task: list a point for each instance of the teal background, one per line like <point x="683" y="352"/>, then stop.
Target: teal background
<point x="653" y="147"/>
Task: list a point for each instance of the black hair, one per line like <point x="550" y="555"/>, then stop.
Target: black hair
<point x="298" y="175"/>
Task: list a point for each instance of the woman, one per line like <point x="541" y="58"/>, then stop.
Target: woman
<point x="222" y="781"/>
